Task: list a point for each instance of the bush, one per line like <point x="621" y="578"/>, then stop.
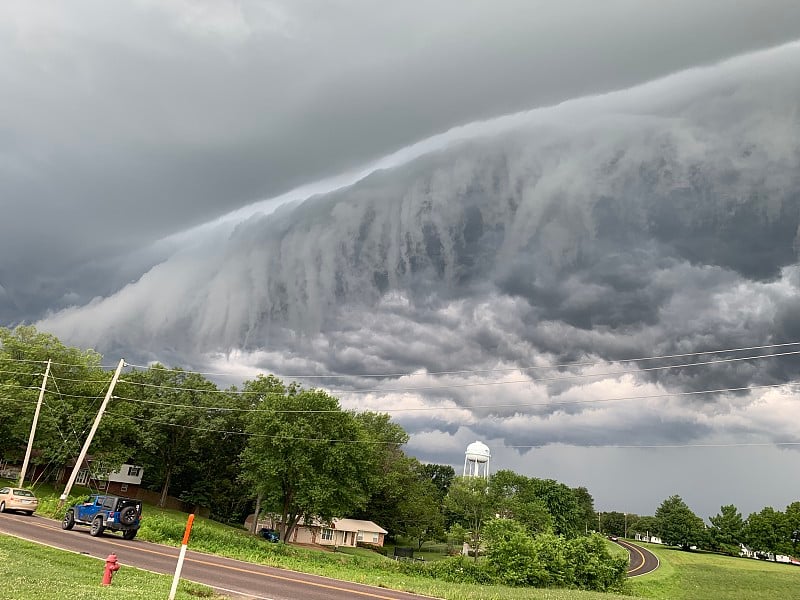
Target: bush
<point x="516" y="559"/>
<point x="374" y="547"/>
<point x="594" y="568"/>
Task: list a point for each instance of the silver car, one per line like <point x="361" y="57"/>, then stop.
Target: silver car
<point x="18" y="499"/>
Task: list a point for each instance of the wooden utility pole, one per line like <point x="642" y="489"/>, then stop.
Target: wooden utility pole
<point x="33" y="426"/>
<point x="88" y="441"/>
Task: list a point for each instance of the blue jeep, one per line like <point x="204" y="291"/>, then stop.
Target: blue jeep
<point x="106" y="512"/>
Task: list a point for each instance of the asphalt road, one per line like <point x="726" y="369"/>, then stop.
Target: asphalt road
<point x="642" y="561"/>
<point x="229" y="577"/>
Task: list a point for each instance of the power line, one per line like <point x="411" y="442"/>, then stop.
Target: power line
<point x="515" y="446"/>
<point x="470" y="407"/>
<point x="669" y="446"/>
<point x="469" y="371"/>
<point x="22" y="360"/>
<point x="485" y="383"/>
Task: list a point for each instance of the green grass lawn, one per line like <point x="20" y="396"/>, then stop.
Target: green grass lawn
<point x="29" y="571"/>
<point x="682" y="575"/>
<point x="703" y="576"/>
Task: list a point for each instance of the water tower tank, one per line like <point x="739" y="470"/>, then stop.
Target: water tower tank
<point x="476" y="460"/>
<point x="478" y="452"/>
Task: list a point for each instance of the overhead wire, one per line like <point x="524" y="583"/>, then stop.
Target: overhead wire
<point x="513" y="446"/>
<point x="471" y="406"/>
<point x="485" y="383"/>
<point x="468" y="371"/>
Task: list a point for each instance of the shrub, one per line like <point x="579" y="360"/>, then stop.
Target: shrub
<point x="594" y="568"/>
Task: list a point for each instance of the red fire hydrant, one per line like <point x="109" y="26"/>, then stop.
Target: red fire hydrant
<point x="112" y="566"/>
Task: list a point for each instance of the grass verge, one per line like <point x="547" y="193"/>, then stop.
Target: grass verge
<point x="30" y="571"/>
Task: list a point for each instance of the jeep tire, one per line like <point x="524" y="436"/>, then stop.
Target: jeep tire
<point x="97" y="527"/>
<point x="127" y="515"/>
<point x="69" y="520"/>
<point x="129" y="534"/>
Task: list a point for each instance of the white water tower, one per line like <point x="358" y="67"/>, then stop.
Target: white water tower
<point x="476" y="460"/>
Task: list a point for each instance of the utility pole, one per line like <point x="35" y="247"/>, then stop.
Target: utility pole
<point x="626" y="526"/>
<point x="33" y="426"/>
<point x="88" y="441"/>
<point x="599" y="528"/>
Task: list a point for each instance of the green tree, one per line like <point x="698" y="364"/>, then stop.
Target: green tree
<point x="514" y="497"/>
<point x="75" y="386"/>
<point x="768" y="531"/>
<point x="175" y="408"/>
<point x="468" y="498"/>
<point x="585" y="508"/>
<point x="561" y="504"/>
<point x="305" y="455"/>
<point x="643" y="526"/>
<point x="441" y="476"/>
<point x="616" y="523"/>
<point x="727" y="530"/>
<point x="677" y="525"/>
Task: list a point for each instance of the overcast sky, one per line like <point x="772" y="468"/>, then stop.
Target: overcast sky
<point x="360" y="188"/>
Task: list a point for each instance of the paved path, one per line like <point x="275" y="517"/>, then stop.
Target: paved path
<point x="230" y="577"/>
<point x="642" y="561"/>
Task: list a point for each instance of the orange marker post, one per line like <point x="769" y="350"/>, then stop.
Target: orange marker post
<point x="181" y="557"/>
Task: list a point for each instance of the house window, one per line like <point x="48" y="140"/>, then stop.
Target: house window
<point x="327" y="534"/>
<point x="134" y="471"/>
<point x="123" y="487"/>
<point x="375" y="538"/>
<point x="360" y="537"/>
<point x="101" y="485"/>
<point x="83" y="477"/>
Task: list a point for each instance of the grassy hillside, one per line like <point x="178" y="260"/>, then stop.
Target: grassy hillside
<point x="703" y="576"/>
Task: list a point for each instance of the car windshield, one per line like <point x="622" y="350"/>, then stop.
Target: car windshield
<point x="23" y="493"/>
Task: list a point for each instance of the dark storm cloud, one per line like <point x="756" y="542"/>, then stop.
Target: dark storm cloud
<point x="140" y="151"/>
<point x="123" y="124"/>
<point x="600" y="230"/>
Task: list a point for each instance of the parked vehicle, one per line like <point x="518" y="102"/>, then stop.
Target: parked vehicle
<point x="270" y="535"/>
<point x="114" y="513"/>
<point x="20" y="499"/>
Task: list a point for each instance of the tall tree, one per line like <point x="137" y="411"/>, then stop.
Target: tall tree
<point x="677" y="525"/>
<point x="173" y="409"/>
<point x="469" y="499"/>
<point x="727" y="530"/>
<point x="562" y="506"/>
<point x="73" y="392"/>
<point x="585" y="507"/>
<point x="305" y="455"/>
<point x="643" y="525"/>
<point x="616" y="523"/>
<point x="515" y="497"/>
<point x="768" y="531"/>
<point x="441" y="476"/>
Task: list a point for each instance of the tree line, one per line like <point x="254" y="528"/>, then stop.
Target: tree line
<point x="768" y="531"/>
<point x="294" y="448"/>
<point x="296" y="453"/>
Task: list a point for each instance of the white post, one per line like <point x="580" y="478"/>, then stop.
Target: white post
<point x="88" y="441"/>
<point x="33" y="426"/>
<point x="177" y="577"/>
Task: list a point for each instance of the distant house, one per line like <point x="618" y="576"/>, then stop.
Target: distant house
<point x="653" y="539"/>
<point x="339" y="532"/>
<point x="124" y="481"/>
